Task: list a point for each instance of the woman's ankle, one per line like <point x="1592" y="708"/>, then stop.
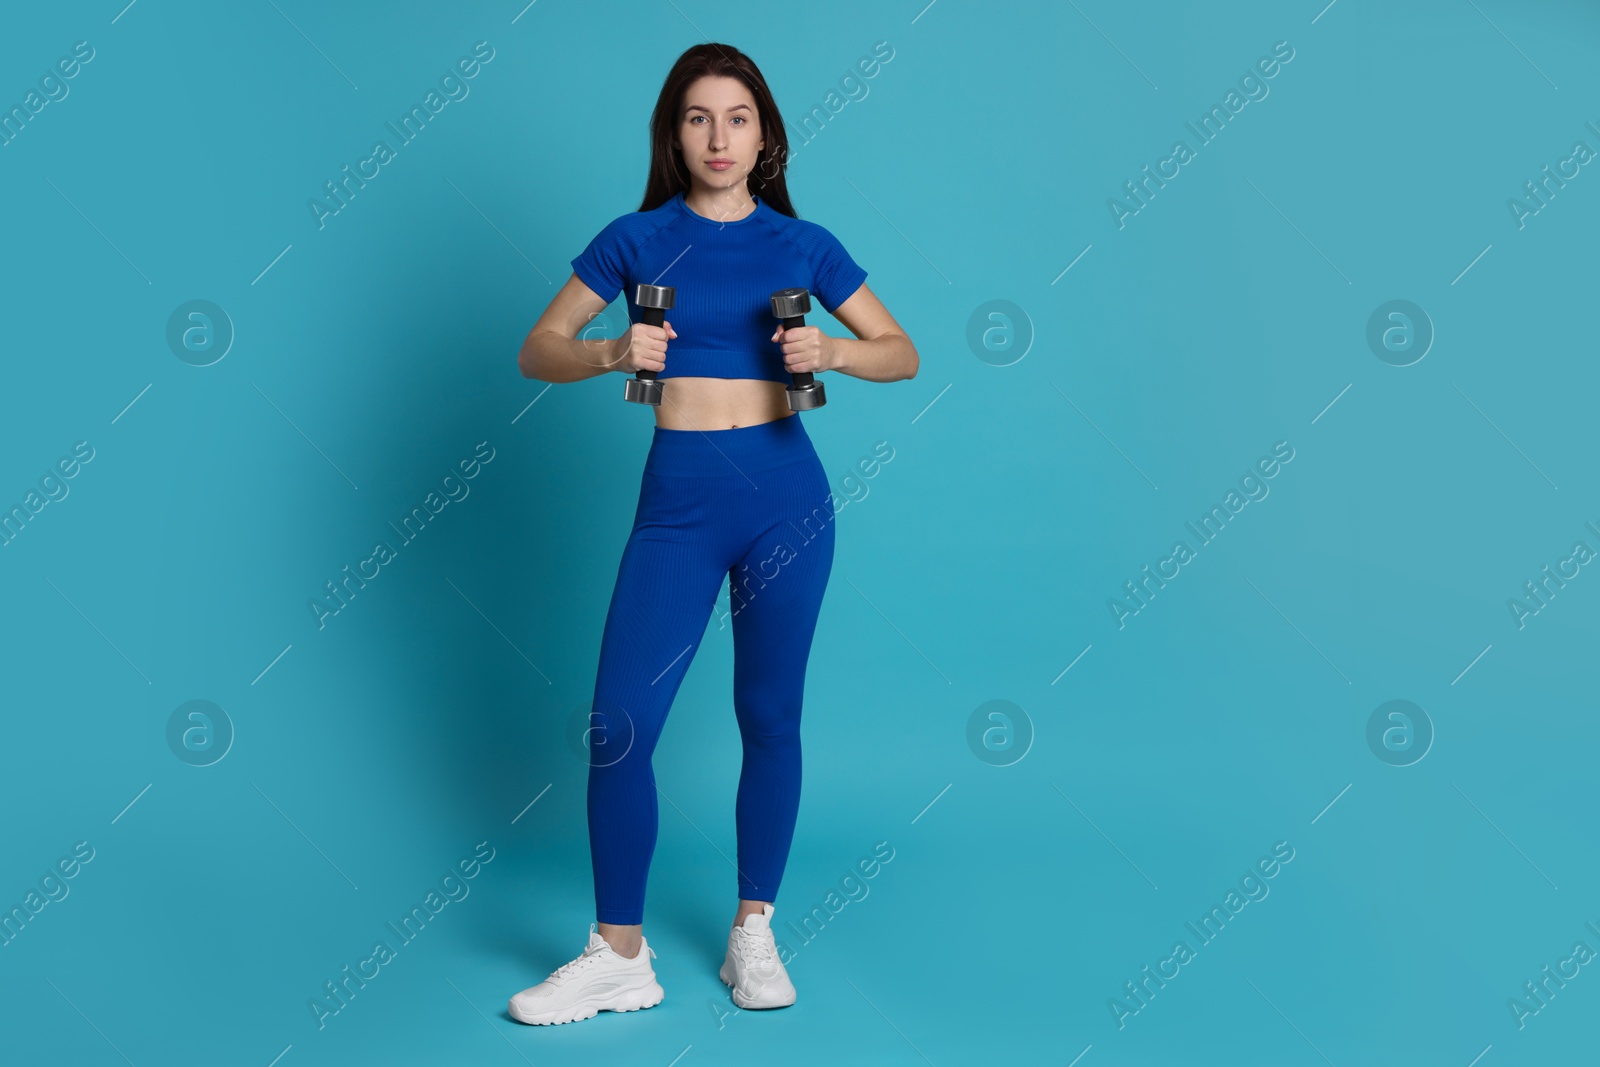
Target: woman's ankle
<point x="747" y="908"/>
<point x="625" y="941"/>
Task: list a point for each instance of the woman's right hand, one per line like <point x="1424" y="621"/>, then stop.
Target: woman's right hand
<point x="644" y="347"/>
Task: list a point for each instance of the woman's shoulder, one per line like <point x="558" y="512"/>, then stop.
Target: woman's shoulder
<point x="643" y="223"/>
<point x="810" y="237"/>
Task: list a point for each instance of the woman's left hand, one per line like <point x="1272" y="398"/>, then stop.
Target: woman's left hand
<point x="806" y="349"/>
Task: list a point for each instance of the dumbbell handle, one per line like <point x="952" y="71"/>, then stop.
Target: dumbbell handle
<point x="802" y="378"/>
<point x="650" y="317"/>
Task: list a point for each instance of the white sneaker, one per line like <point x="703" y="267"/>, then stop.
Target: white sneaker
<point x="599" y="980"/>
<point x="752" y="968"/>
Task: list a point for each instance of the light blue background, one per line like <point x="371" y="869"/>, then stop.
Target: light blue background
<point x="1230" y="714"/>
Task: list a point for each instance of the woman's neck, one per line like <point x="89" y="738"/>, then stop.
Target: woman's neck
<point x="720" y="205"/>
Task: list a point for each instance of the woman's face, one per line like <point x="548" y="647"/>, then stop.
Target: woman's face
<point x="719" y="125"/>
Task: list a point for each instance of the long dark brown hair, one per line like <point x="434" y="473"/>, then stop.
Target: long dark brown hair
<point x="668" y="176"/>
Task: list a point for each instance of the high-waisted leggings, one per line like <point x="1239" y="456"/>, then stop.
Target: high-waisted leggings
<point x="749" y="506"/>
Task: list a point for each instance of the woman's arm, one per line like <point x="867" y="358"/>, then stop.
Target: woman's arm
<point x="553" y="352"/>
<point x="879" y="352"/>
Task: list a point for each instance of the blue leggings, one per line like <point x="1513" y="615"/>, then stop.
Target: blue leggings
<point x="750" y="506"/>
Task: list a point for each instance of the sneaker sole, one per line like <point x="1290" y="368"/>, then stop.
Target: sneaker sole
<point x="622" y="1000"/>
<point x="745" y="1002"/>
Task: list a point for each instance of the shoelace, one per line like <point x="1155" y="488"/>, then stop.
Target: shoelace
<point x="574" y="966"/>
<point x="757" y="949"/>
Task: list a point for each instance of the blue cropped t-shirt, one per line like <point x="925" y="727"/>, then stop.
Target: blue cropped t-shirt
<point x="724" y="274"/>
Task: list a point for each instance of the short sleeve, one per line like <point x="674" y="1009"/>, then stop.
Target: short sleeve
<point x="836" y="275"/>
<point x="602" y="266"/>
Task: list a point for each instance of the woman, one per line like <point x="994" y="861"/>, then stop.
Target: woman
<point x="732" y="489"/>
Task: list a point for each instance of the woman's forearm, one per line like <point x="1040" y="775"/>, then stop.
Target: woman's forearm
<point x="550" y="357"/>
<point x="890" y="358"/>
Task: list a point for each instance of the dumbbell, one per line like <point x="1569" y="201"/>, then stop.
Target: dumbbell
<point x="653" y="301"/>
<point x="791" y="305"/>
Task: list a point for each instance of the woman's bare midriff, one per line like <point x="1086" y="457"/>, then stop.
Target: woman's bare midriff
<point x="720" y="403"/>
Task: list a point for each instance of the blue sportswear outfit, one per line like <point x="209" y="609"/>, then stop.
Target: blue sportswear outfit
<point x="750" y="506"/>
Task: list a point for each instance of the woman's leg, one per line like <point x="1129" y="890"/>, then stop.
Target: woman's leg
<point x="776" y="593"/>
<point x="666" y="588"/>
